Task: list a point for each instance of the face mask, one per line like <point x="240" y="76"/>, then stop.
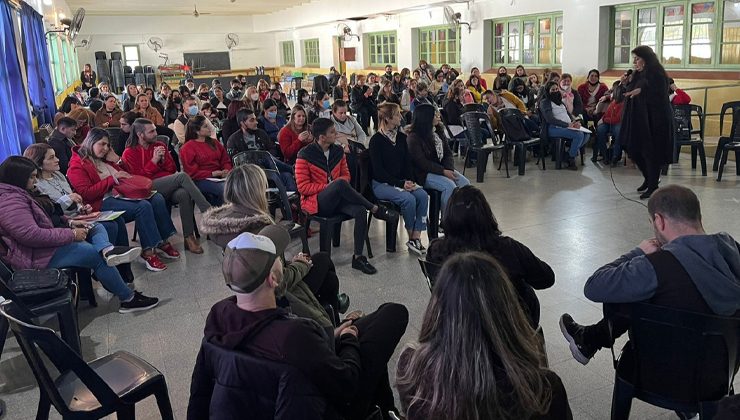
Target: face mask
<point x="565" y="88"/>
<point x="326" y="104"/>
<point x="177" y="101"/>
<point x="203" y="95"/>
<point x="193" y="110"/>
<point x="255" y="96"/>
<point x="272" y="115"/>
<point x="235" y="89"/>
<point x="556" y="97"/>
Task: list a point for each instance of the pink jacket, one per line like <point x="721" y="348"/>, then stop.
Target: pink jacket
<point x="27" y="230"/>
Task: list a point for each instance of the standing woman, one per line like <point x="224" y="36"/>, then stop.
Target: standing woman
<point x="88" y="78"/>
<point x="203" y="157"/>
<point x="647" y="121"/>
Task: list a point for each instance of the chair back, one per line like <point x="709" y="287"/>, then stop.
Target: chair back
<point x="698" y="112"/>
<point x="263" y="388"/>
<point x="473" y="123"/>
<point x="359" y="168"/>
<point x="733" y="106"/>
<point x="512" y="123"/>
<point x="430" y="270"/>
<point x="261" y="158"/>
<point x="681" y="123"/>
<point x="678" y="355"/>
<point x="35" y="341"/>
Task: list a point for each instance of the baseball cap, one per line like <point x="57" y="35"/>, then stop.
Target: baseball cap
<point x="248" y="258"/>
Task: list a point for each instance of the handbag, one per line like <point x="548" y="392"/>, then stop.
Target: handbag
<point x="33" y="286"/>
<point x="135" y="188"/>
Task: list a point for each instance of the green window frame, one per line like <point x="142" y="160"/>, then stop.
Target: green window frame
<point x="288" y="53"/>
<point x="311" y="56"/>
<point x="685" y="34"/>
<point x="381" y="48"/>
<point x="530" y="40"/>
<point x="440" y="45"/>
<point x="56" y="64"/>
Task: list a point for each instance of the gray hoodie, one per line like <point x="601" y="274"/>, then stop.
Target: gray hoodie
<point x="712" y="262"/>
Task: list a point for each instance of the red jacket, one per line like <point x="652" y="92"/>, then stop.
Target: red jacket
<point x="681" y="98"/>
<point x="613" y="113"/>
<point x="199" y="160"/>
<point x="139" y="161"/>
<point x="313" y="172"/>
<point x="585" y="95"/>
<point x="289" y="144"/>
<point x="84" y="178"/>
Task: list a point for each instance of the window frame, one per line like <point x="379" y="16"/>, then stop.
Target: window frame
<point x="308" y="58"/>
<point x="126" y="59"/>
<point x="554" y="49"/>
<point x="716" y="35"/>
<point x="56" y="64"/>
<point x="371" y="40"/>
<point x="287" y="50"/>
<point x="429" y="30"/>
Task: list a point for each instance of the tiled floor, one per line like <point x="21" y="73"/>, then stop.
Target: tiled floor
<point x="575" y="221"/>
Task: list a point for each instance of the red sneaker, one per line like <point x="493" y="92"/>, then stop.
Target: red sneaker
<point x="168" y="251"/>
<point x="153" y="263"/>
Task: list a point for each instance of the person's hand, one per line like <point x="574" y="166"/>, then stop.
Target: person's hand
<point x="304" y="258"/>
<point x="575" y="124"/>
<point x="217" y="174"/>
<point x="347" y="328"/>
<point x="649" y="246"/>
<point x="158" y="154"/>
<point x="305" y="137"/>
<point x="86" y="209"/>
<point x="112" y="156"/>
<point x="449" y="174"/>
<point x="75" y="197"/>
<point x="409" y="185"/>
<point x="623" y="79"/>
<point x="122" y="175"/>
<point x="105" y="124"/>
<point x="633" y="93"/>
<point x="80" y="234"/>
<point x="79" y="224"/>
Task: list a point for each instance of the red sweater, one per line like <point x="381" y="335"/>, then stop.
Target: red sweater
<point x="613" y="113"/>
<point x="199" y="160"/>
<point x="289" y="144"/>
<point x="139" y="161"/>
<point x="84" y="178"/>
<point x="585" y="95"/>
<point x="681" y="98"/>
<point x="311" y="175"/>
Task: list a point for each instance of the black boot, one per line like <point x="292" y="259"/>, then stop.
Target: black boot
<point x="642" y="187"/>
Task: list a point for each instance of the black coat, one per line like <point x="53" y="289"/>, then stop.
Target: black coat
<point x="424" y="156"/>
<point x="62" y="149"/>
<point x="647" y="119"/>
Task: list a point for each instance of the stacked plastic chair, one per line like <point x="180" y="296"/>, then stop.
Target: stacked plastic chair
<point x="139" y="77"/>
<point x="151" y="78"/>
<point x="118" y="80"/>
<point x="103" y="68"/>
<point x="128" y="75"/>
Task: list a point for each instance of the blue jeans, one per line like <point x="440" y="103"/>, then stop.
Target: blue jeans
<point x="445" y="185"/>
<point x="286" y="175"/>
<point x="98" y="238"/>
<point x="213" y="190"/>
<point x="413" y="204"/>
<point x="152" y="218"/>
<point x="601" y="136"/>
<point x="85" y="255"/>
<point x="578" y="138"/>
<point x="116" y="231"/>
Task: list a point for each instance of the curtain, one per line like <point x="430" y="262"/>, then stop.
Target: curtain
<point x="40" y="87"/>
<point x="16" y="130"/>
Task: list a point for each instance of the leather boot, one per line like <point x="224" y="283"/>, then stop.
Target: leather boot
<point x="192" y="245"/>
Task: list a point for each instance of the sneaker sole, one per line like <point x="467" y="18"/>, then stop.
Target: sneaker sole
<point x="152" y="268"/>
<point x="124" y="258"/>
<point x="139" y="309"/>
<point x="415" y="250"/>
<point x="580" y="358"/>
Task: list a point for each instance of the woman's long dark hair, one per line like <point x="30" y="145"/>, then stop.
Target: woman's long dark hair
<point x="67" y="104"/>
<point x="469" y="222"/>
<point x="16" y="170"/>
<point x="652" y="64"/>
<point x="194" y="125"/>
<point x="422" y="123"/>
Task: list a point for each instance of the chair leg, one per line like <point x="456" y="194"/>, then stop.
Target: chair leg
<point x="42" y="413"/>
<point x="693" y="155"/>
<point x="723" y="161"/>
<point x="465" y="161"/>
<point x="127" y="412"/>
<point x="4" y="326"/>
<point x="68" y="327"/>
<point x="391" y="232"/>
<point x="325" y="236"/>
<point x="84" y="281"/>
<point x="522" y="156"/>
<point x="367" y="235"/>
<point x="718" y="152"/>
<point x="304" y="240"/>
<point x="336" y="234"/>
<point x="163" y="401"/>
<point x="505" y="157"/>
<point x="433" y="225"/>
<point x="621" y="400"/>
<point x="559" y="149"/>
<point x="702" y="159"/>
<point x="737" y="161"/>
<point x="481" y="165"/>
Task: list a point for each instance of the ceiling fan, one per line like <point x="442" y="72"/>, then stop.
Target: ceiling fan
<point x="195" y="13"/>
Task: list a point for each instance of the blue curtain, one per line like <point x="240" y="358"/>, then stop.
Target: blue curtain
<point x="16" y="131"/>
<point x="38" y="70"/>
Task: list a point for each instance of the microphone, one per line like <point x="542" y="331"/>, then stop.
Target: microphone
<point x="629" y="72"/>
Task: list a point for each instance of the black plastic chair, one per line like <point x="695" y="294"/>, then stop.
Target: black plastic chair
<point x="558" y="144"/>
<point x="734" y="108"/>
<point x="728" y="144"/>
<point x="677" y="360"/>
<point x="110" y="384"/>
<point x="364" y="179"/>
<point x="516" y="137"/>
<point x="684" y="134"/>
<point x="429" y="269"/>
<point x="473" y="122"/>
<point x="435" y="208"/>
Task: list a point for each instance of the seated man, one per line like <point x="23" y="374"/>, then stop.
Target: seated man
<point x="190" y="109"/>
<point x="323" y="181"/>
<point x="61" y="141"/>
<point x="682" y="268"/>
<point x="349" y="369"/>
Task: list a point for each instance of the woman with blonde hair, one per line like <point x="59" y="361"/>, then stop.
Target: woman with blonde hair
<point x="144" y="108"/>
<point x="477" y="357"/>
<point x="295" y="135"/>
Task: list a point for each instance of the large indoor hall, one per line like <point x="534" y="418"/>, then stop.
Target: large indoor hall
<point x="492" y="209"/>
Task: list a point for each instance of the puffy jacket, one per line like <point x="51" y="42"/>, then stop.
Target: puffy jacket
<point x="139" y="161"/>
<point x="84" y="178"/>
<point x="113" y="118"/>
<point x="313" y="172"/>
<point x="289" y="144"/>
<point x="28" y="231"/>
<point x="613" y="113"/>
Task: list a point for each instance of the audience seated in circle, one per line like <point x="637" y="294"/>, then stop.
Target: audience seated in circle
<point x="205" y="159"/>
<point x="470" y="225"/>
<point x="147" y="157"/>
<point x="477" y="355"/>
<point x="94" y="172"/>
<point x="348" y="368"/>
<point x="296" y="134"/>
<point x="34" y="242"/>
<point x="431" y="155"/>
<point x="61" y="140"/>
<point x="561" y="123"/>
<point x="109" y="115"/>
<point x="323" y="179"/>
<point x="392" y="176"/>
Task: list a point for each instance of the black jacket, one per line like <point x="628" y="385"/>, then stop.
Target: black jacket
<point x="358" y="100"/>
<point x="236" y="143"/>
<point x="391" y="163"/>
<point x="424" y="156"/>
<point x="229" y="127"/>
<point x="62" y="148"/>
<point x="454" y="109"/>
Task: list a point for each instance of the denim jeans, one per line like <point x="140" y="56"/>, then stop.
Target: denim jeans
<point x="213" y="190"/>
<point x="601" y="132"/>
<point x="116" y="231"/>
<point x="98" y="237"/>
<point x="413" y="204"/>
<point x="84" y="254"/>
<point x="286" y="175"/>
<point x="445" y="185"/>
<point x="152" y="218"/>
<point x="578" y="138"/>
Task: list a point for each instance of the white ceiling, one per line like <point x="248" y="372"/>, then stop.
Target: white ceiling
<point x="182" y="7"/>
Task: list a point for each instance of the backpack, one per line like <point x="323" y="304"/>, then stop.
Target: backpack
<point x="513" y="126"/>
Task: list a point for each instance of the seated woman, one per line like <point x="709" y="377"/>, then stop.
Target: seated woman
<point x="321" y="107"/>
<point x="431" y="155"/>
<point x="220" y="102"/>
<point x="398" y="85"/>
<point x="52" y="183"/>
<point x="474" y="86"/>
<point x="386" y="94"/>
<point x="84" y="120"/>
<point x="470" y="225"/>
<point x="95" y="170"/>
<point x="34" y="243"/>
<point x="362" y="102"/>
<point x="519" y="73"/>
<point x="323" y="181"/>
<point x="128" y="99"/>
<point x="69" y="104"/>
<point x="480" y="359"/>
<point x="560" y="123"/>
<point x="341" y="90"/>
<point x="119" y="144"/>
<point x="591" y="91"/>
<point x="475" y="71"/>
<point x="295" y="135"/>
<point x="408" y="95"/>
<point x="311" y="281"/>
<point x="147" y="157"/>
<point x="454" y="106"/>
<point x="109" y="115"/>
<point x="303" y="98"/>
<point x="270" y="121"/>
<point x="346" y="126"/>
<point x="147" y="111"/>
<point x="264" y="89"/>
<point x="252" y="100"/>
<point x="392" y="175"/>
<point x="174" y="108"/>
<point x="203" y="157"/>
<point x="281" y="101"/>
<point x="149" y="92"/>
<point x="421" y="97"/>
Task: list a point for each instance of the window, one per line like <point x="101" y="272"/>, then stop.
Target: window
<point x="131" y="56"/>
<point x="288" y="51"/>
<point x="311" y="53"/>
<point x="381" y="49"/>
<point x="439" y="45"/>
<point x="684" y="34"/>
<point x="56" y="64"/>
<point x="530" y="40"/>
